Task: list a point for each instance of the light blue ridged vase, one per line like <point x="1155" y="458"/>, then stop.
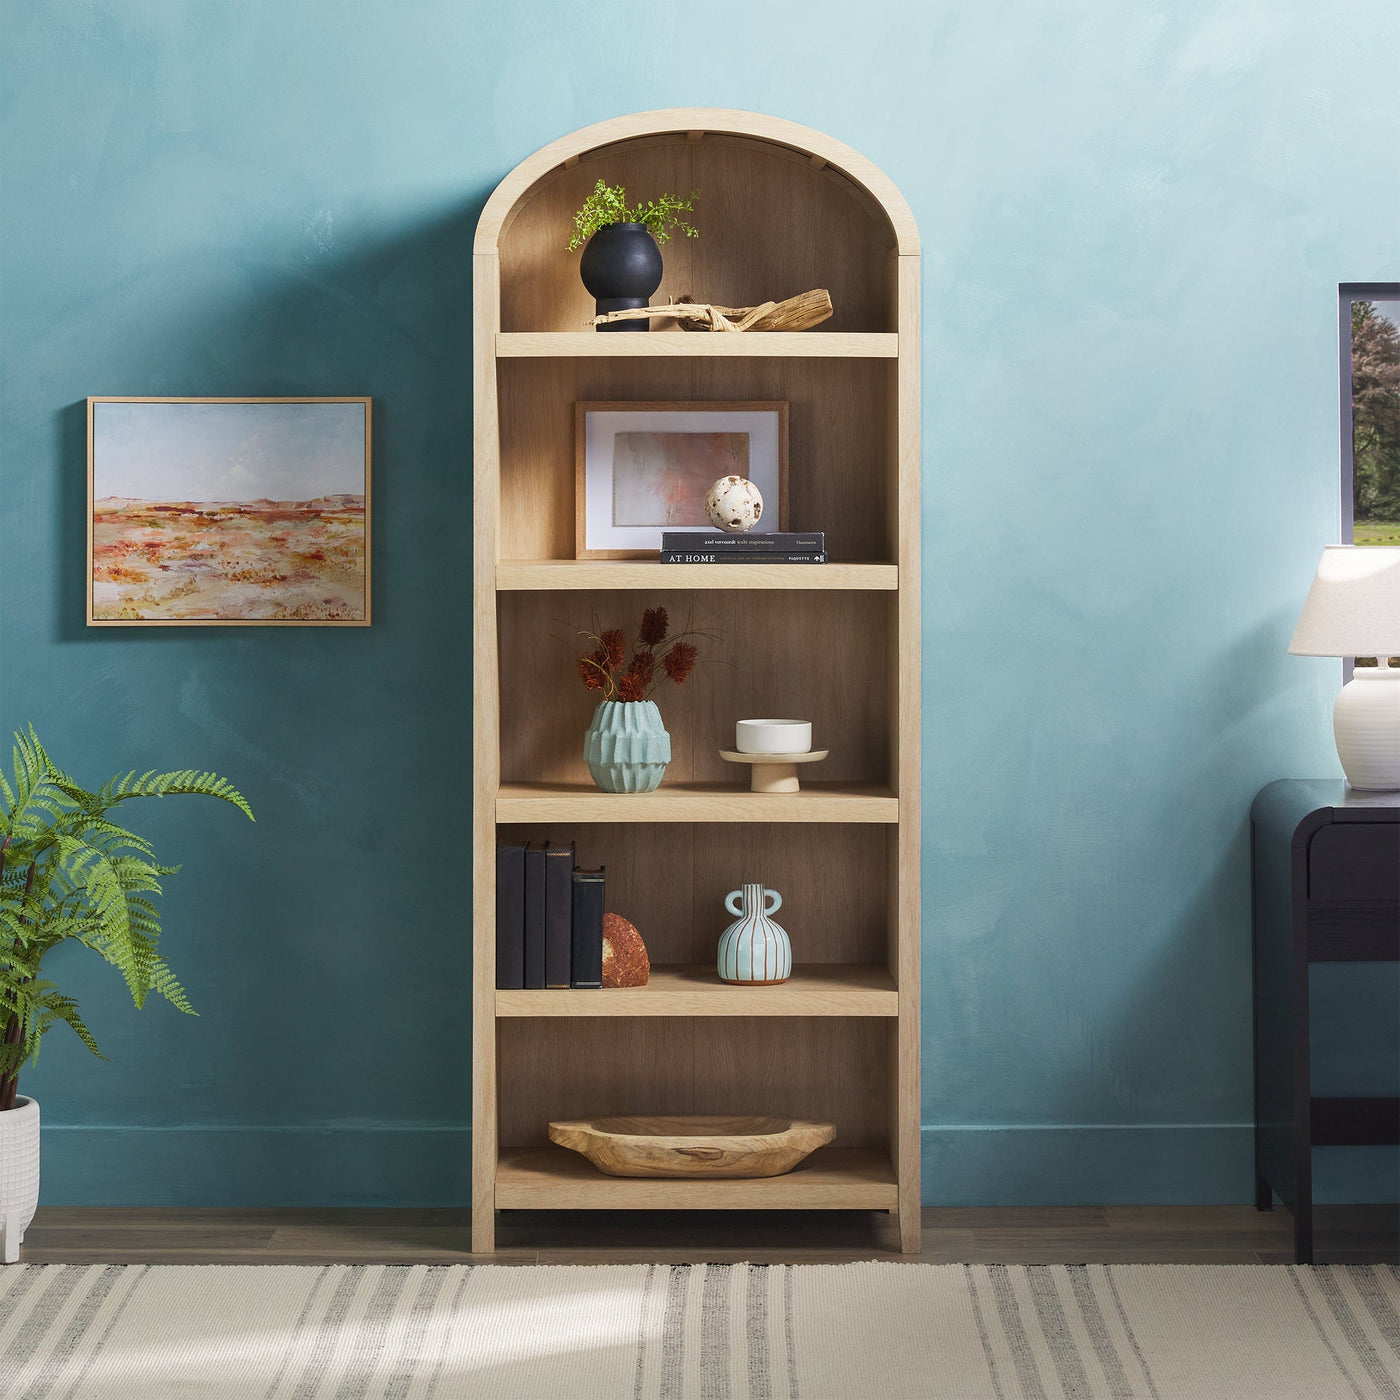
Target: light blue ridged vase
<point x="626" y="747"/>
<point x="754" y="949"/>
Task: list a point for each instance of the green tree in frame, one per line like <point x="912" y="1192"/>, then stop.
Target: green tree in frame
<point x="1375" y="421"/>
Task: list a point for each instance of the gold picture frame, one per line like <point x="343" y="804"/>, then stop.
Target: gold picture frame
<point x="192" y="519"/>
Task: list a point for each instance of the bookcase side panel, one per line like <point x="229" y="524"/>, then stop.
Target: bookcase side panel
<point x="486" y="746"/>
<point x="907" y="694"/>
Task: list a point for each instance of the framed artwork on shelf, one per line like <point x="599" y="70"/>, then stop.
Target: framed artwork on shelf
<point x="644" y="468"/>
<point x="228" y="512"/>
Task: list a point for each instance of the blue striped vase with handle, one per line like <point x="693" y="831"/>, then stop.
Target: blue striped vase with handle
<point x="754" y="950"/>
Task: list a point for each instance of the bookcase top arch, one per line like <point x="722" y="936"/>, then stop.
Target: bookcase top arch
<point x="819" y="149"/>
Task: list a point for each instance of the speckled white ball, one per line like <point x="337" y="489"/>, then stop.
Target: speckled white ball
<point x="734" y="504"/>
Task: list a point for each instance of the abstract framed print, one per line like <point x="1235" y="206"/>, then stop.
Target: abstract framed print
<point x="644" y="468"/>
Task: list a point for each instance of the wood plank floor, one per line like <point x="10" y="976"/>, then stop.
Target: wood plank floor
<point x="1038" y="1235"/>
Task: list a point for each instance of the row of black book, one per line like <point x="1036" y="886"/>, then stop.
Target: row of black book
<point x="549" y="918"/>
<point x="716" y="547"/>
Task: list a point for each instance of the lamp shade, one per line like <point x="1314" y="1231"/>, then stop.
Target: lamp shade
<point x="1353" y="606"/>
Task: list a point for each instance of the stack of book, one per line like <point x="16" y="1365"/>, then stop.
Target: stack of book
<point x="716" y="547"/>
<point x="549" y="918"/>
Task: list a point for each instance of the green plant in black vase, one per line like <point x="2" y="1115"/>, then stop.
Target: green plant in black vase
<point x="621" y="263"/>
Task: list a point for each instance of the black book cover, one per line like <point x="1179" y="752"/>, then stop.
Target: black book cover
<point x="534" y="915"/>
<point x="510" y="917"/>
<point x="736" y="556"/>
<point x="558" y="914"/>
<point x="588" y="894"/>
<point x="778" y="541"/>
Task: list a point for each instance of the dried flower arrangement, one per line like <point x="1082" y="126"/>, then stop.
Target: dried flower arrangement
<point x="623" y="673"/>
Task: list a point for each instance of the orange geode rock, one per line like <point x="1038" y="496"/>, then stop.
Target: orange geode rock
<point x="625" y="961"/>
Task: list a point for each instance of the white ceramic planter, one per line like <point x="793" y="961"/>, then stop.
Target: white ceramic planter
<point x="773" y="735"/>
<point x="19" y="1174"/>
<point x="1366" y="723"/>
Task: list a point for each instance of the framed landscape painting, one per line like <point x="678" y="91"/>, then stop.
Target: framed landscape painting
<point x="644" y="468"/>
<point x="228" y="512"/>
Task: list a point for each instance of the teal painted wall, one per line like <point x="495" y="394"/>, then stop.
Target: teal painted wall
<point x="1134" y="220"/>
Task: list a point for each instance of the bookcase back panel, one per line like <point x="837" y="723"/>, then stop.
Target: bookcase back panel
<point x="806" y="655"/>
<point x="839" y="442"/>
<point x="770" y="227"/>
<point x="670" y="880"/>
<point x="805" y="1067"/>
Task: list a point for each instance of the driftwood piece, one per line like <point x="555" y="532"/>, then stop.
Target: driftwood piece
<point x="797" y="313"/>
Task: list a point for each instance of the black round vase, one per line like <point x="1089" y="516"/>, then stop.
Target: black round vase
<point x="621" y="268"/>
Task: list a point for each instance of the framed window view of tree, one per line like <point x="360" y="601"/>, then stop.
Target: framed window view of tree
<point x="1369" y="341"/>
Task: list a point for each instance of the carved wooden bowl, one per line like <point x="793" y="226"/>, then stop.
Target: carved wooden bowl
<point x="694" y="1147"/>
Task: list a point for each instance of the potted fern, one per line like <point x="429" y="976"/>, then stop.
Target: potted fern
<point x="621" y="264"/>
<point x="68" y="873"/>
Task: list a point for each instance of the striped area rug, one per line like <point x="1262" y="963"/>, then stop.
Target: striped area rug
<point x="722" y="1332"/>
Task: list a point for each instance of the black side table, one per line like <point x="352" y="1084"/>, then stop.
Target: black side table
<point x="1326" y="882"/>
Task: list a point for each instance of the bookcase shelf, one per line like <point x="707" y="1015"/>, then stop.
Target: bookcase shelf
<point x="548" y="575"/>
<point x="814" y="989"/>
<point x="695" y="802"/>
<point x="832" y="1178"/>
<point x="785" y="209"/>
<point x="697" y="345"/>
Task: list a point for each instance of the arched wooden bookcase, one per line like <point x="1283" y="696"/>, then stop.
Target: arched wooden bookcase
<point x="782" y="209"/>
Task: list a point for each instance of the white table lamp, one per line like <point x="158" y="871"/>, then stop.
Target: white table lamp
<point x="1353" y="609"/>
